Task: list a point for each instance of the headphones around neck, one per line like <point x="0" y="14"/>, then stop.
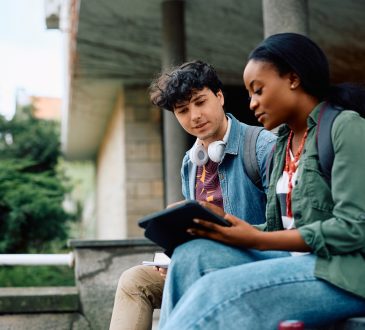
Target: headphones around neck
<point x="199" y="156"/>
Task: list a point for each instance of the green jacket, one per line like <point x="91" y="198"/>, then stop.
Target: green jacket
<point x="331" y="221"/>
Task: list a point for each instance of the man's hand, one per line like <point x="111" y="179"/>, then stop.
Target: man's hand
<point x="175" y="204"/>
<point x="162" y="271"/>
<point x="214" y="208"/>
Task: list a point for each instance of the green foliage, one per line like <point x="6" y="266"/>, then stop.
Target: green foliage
<point x="19" y="276"/>
<point x="31" y="189"/>
<point x="27" y="137"/>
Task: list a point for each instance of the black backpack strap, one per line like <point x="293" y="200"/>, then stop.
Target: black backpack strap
<point x="270" y="163"/>
<point x="326" y="155"/>
<point x="249" y="155"/>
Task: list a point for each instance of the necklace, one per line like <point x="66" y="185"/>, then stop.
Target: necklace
<point x="291" y="166"/>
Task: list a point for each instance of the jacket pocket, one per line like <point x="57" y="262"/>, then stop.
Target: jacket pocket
<point x="315" y="186"/>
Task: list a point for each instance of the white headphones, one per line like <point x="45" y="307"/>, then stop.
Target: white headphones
<point x="199" y="156"/>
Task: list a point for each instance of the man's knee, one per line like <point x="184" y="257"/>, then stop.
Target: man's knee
<point x="142" y="281"/>
<point x="136" y="297"/>
<point x="130" y="279"/>
<point x="138" y="277"/>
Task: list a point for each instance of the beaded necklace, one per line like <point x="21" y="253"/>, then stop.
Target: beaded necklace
<point x="291" y="166"/>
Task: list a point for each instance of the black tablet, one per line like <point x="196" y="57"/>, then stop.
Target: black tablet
<point x="167" y="228"/>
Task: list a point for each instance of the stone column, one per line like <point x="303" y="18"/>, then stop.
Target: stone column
<point x="285" y="16"/>
<point x="175" y="140"/>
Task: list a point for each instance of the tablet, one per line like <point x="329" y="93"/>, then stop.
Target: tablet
<point x="167" y="228"/>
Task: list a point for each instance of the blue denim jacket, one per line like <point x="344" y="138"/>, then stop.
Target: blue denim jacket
<point x="240" y="196"/>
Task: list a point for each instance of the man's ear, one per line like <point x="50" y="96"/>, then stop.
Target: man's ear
<point x="294" y="80"/>
<point x="220" y="97"/>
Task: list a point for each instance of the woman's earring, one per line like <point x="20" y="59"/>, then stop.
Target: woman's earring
<point x="292" y="86"/>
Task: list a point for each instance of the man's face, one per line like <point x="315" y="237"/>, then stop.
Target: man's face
<point x="203" y="115"/>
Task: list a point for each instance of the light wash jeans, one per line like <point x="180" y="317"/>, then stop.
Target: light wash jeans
<point x="256" y="291"/>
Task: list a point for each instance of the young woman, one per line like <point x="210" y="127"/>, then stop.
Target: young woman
<point x="308" y="261"/>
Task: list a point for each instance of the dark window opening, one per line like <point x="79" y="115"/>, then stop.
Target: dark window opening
<point x="236" y="102"/>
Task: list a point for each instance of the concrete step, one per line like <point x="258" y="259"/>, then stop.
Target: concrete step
<point x="44" y="321"/>
<point x="39" y="299"/>
<point x="155" y="319"/>
<point x="356" y="323"/>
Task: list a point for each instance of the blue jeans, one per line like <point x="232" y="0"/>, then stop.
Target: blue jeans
<point x="214" y="286"/>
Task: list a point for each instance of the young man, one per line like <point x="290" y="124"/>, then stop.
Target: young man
<point x="212" y="171"/>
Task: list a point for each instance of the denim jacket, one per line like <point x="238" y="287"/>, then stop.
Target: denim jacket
<point x="240" y="196"/>
<point x="331" y="220"/>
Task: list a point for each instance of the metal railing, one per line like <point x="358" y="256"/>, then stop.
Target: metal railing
<point x="37" y="259"/>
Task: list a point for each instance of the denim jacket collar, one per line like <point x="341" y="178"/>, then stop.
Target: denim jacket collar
<point x="233" y="142"/>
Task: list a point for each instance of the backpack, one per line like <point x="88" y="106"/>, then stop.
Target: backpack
<point x="249" y="155"/>
<point x="326" y="155"/>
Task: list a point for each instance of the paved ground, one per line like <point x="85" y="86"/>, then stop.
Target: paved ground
<point x="156" y="316"/>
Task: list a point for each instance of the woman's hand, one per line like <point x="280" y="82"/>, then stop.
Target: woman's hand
<point x="239" y="234"/>
<point x="242" y="234"/>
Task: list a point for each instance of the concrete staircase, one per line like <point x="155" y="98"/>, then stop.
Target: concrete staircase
<point x="41" y="308"/>
<point x="88" y="305"/>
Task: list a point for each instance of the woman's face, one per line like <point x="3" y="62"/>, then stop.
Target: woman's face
<point x="273" y="97"/>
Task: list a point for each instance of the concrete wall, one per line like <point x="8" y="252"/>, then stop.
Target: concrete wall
<point x="143" y="157"/>
<point x="129" y="166"/>
<point x="110" y="178"/>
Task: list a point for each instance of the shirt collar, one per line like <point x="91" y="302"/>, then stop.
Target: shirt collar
<point x="312" y="121"/>
<point x="313" y="116"/>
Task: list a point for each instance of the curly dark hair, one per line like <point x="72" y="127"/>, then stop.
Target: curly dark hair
<point x="178" y="84"/>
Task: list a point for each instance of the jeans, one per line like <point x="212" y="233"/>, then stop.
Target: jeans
<point x="213" y="286"/>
